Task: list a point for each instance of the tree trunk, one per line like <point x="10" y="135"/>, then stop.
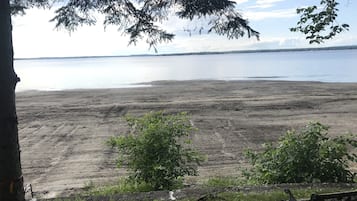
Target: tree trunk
<point x="11" y="180"/>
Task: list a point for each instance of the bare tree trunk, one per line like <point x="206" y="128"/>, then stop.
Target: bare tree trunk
<point x="11" y="180"/>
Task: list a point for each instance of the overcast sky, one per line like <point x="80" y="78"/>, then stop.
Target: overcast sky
<point x="35" y="36"/>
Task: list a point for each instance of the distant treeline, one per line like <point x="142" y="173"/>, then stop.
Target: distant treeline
<point x="350" y="47"/>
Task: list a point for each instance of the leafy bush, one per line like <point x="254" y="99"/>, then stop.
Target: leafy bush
<point x="307" y="156"/>
<point x="224" y="182"/>
<point x="157" y="149"/>
<point x="124" y="185"/>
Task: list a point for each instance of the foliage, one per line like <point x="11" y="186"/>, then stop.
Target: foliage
<point x="307" y="156"/>
<point x="140" y="19"/>
<point x="157" y="149"/>
<point x="278" y="194"/>
<point x="18" y="7"/>
<point x="318" y="23"/>
<point x="122" y="186"/>
<point x="255" y="196"/>
<point x="225" y="182"/>
<point x="76" y="198"/>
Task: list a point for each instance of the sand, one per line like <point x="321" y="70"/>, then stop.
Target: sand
<point x="63" y="133"/>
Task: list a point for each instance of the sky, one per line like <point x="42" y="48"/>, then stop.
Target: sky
<point x="34" y="36"/>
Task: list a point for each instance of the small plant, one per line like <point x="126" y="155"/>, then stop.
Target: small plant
<point x="124" y="185"/>
<point x="307" y="156"/>
<point x="224" y="182"/>
<point x="157" y="149"/>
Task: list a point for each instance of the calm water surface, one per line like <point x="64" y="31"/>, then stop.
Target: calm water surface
<point x="86" y="73"/>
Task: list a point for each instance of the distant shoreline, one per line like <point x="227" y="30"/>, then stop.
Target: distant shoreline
<point x="351" y="47"/>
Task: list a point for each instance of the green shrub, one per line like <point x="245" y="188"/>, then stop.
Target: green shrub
<point x="157" y="149"/>
<point x="307" y="156"/>
<point x="124" y="185"/>
<point x="224" y="182"/>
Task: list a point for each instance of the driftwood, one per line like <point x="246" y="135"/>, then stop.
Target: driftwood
<point x="341" y="196"/>
<point x="344" y="196"/>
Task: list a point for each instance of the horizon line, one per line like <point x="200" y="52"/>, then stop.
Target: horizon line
<point x="342" y="47"/>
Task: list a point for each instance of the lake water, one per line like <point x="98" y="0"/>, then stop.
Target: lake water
<point x="116" y="72"/>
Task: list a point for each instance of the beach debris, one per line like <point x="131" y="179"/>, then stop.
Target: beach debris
<point x="171" y="195"/>
<point x="28" y="189"/>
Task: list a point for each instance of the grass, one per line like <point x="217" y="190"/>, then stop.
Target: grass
<point x="275" y="194"/>
<point x="122" y="186"/>
<point x="272" y="195"/>
<point x="70" y="199"/>
<point x="266" y="196"/>
<point x="224" y="182"/>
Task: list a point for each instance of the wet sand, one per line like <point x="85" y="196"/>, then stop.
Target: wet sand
<point x="63" y="133"/>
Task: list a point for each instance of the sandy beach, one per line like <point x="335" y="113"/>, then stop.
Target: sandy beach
<point x="63" y="133"/>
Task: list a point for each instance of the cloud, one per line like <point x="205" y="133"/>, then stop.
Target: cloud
<point x="279" y="43"/>
<point x="240" y="1"/>
<point x="34" y="36"/>
<point x="266" y="3"/>
<point x="212" y="43"/>
<point x="262" y="15"/>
